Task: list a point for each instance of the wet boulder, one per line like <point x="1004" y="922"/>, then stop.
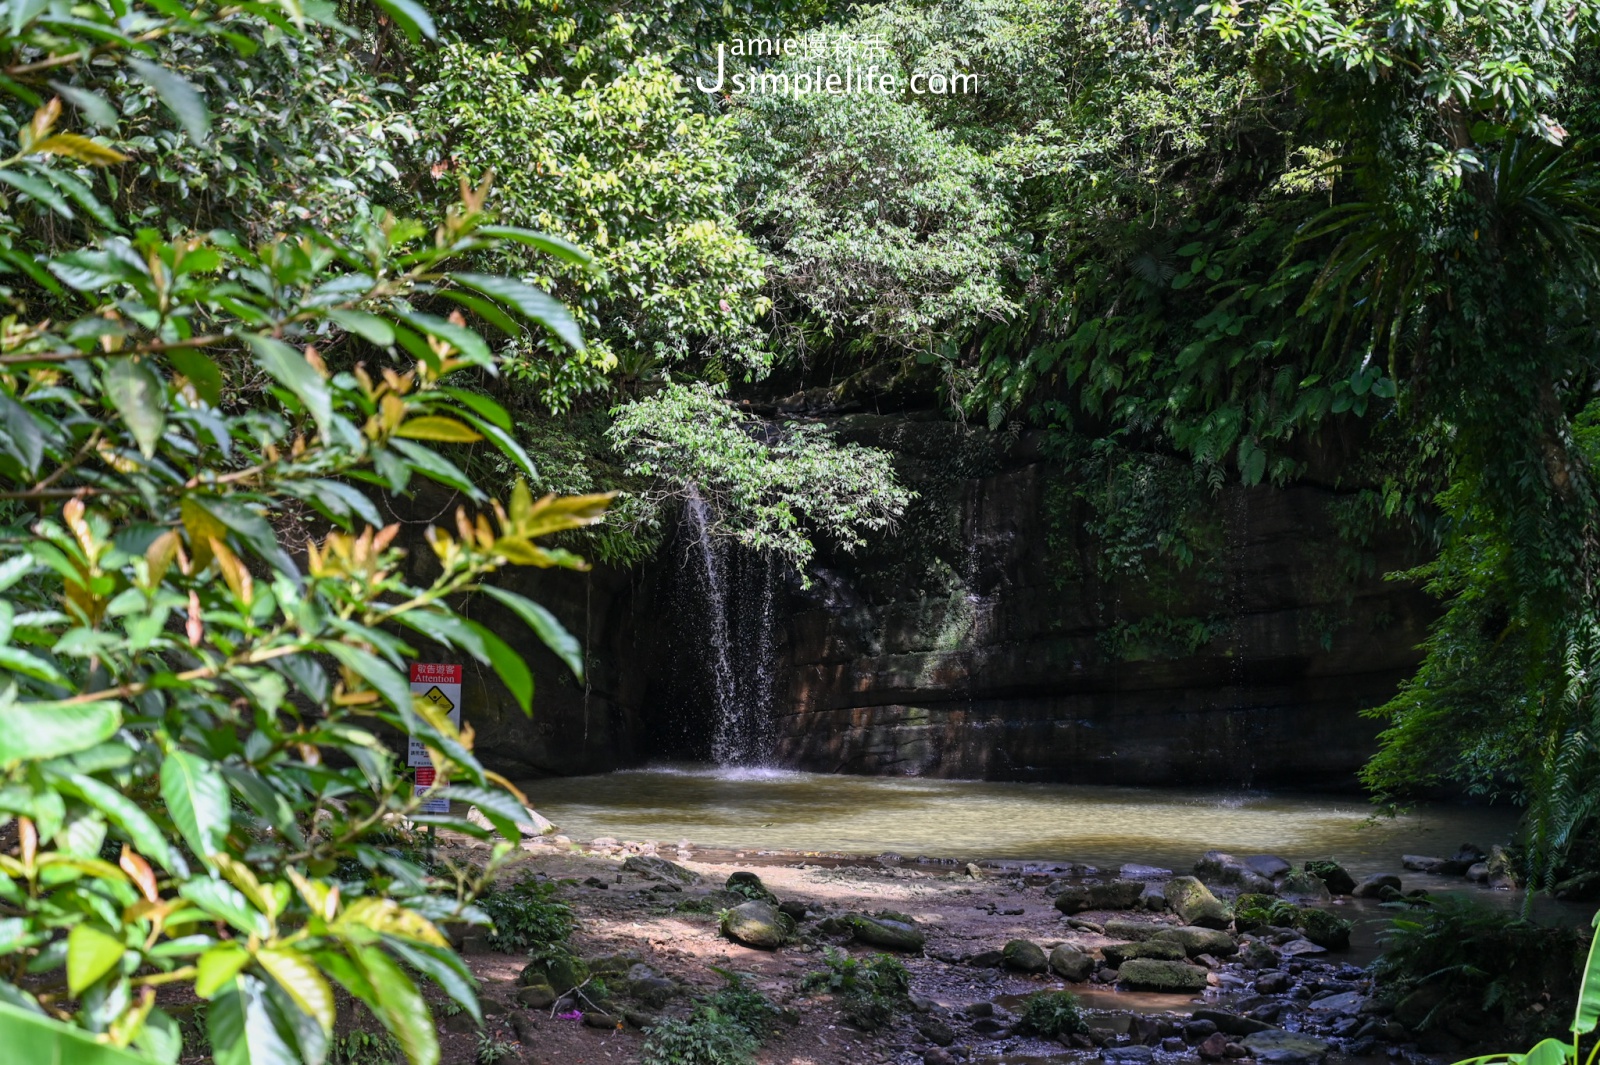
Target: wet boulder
<point x="1303" y="886"/>
<point x="1114" y="895"/>
<point x="1131" y="931"/>
<point x="1268" y="865"/>
<point x="1324" y="929"/>
<point x="755" y="924"/>
<point x="1161" y="949"/>
<point x="1332" y="874"/>
<point x="653" y="868"/>
<point x="1278" y="1047"/>
<point x="748" y="885"/>
<point x="1196" y="941"/>
<point x="1502" y="874"/>
<point x="1172" y="977"/>
<point x="1422" y="863"/>
<point x="1219" y="867"/>
<point x="1372" y="887"/>
<point x="886" y="933"/>
<point x="1024" y="956"/>
<point x="1071" y="964"/>
<point x="1196" y="905"/>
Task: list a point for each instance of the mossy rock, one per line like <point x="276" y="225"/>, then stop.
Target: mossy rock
<point x="561" y="971"/>
<point x="886" y="933"/>
<point x="1116" y="895"/>
<point x="1171" y="977"/>
<point x="1133" y="931"/>
<point x="1071" y="963"/>
<point x="748" y="885"/>
<point x="1302" y="885"/>
<point x="1196" y="941"/>
<point x="1024" y="956"/>
<point x="755" y="924"/>
<point x="1324" y="929"/>
<point x="1332" y="874"/>
<point x="1196" y="905"/>
<point x="1161" y="949"/>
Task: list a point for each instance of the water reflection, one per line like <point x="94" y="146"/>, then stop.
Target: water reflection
<point x="1104" y="826"/>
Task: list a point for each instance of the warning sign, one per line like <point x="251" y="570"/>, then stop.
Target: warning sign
<point x="441" y="686"/>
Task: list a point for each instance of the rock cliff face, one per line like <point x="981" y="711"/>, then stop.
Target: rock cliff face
<point x="990" y="642"/>
<point x="990" y="638"/>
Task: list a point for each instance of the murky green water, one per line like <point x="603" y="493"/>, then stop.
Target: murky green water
<point x="1103" y="826"/>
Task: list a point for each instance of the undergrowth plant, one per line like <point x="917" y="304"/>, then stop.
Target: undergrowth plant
<point x="1051" y="1014"/>
<point x="870" y="991"/>
<point x="1584" y="1019"/>
<point x="526" y="917"/>
<point x="1478" y="964"/>
<point x="726" y="1028"/>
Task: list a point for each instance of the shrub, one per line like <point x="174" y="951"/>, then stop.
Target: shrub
<point x="870" y="991"/>
<point x="725" y="1029"/>
<point x="1462" y="961"/>
<point x="706" y="1038"/>
<point x="748" y="1007"/>
<point x="205" y="622"/>
<point x="1052" y="1014"/>
<point x="526" y="917"/>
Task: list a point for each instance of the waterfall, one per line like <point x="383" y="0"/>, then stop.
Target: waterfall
<point x="738" y="636"/>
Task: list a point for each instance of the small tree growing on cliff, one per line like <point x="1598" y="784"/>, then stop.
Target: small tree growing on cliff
<point x="771" y="487"/>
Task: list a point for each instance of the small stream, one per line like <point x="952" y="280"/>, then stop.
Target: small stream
<point x="972" y="820"/>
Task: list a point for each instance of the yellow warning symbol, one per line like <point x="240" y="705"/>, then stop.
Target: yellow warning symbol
<point x="439" y="699"/>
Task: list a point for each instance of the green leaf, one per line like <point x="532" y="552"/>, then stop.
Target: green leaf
<point x="412" y="18"/>
<point x="399" y="1005"/>
<point x="290" y="369"/>
<point x="178" y="94"/>
<point x="551" y="632"/>
<point x="201" y="372"/>
<point x="91" y="954"/>
<point x="96" y="109"/>
<point x="483" y="405"/>
<point x="533" y="304"/>
<point x="510" y="666"/>
<point x="1588" y="1014"/>
<point x="1548" y="1052"/>
<point x="561" y="249"/>
<point x="434" y="427"/>
<point x="141" y="399"/>
<point x="440" y="469"/>
<point x="125" y="814"/>
<point x="22" y="436"/>
<point x="226" y="903"/>
<point x="217" y="966"/>
<point x="369" y="327"/>
<point x="40" y="190"/>
<point x="241" y="1028"/>
<point x="33" y="1037"/>
<point x="197" y="800"/>
<point x="444" y="968"/>
<point x="384" y="678"/>
<point x="301" y="981"/>
<point x="39" y="730"/>
<point x="506" y="443"/>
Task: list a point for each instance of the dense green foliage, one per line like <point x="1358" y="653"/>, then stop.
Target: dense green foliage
<point x="725" y="1028"/>
<point x="526" y="917"/>
<point x="870" y="991"/>
<point x="206" y="619"/>
<point x="1461" y="963"/>
<point x="1052" y="1014"/>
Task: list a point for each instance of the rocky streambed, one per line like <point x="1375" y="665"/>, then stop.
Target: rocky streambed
<point x="1246" y="959"/>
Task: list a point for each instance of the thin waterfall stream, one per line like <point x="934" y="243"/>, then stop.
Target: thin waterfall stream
<point x="737" y="640"/>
